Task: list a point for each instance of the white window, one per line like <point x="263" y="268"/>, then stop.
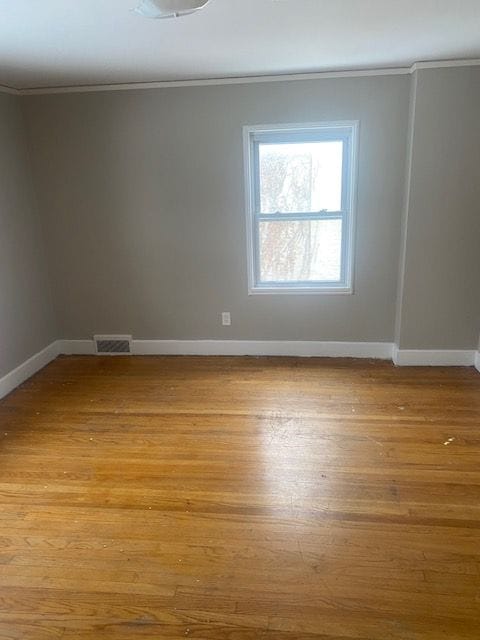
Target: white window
<point x="300" y="214"/>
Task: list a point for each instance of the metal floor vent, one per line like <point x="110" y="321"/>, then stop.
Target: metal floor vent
<point x="113" y="345"/>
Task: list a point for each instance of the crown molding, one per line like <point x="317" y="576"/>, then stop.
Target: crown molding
<point x="171" y="84"/>
<point x="207" y="82"/>
<point x="444" y="64"/>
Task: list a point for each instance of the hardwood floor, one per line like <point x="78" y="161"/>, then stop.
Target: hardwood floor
<point x="240" y="499"/>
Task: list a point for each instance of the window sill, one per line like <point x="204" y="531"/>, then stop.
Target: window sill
<point x="345" y="291"/>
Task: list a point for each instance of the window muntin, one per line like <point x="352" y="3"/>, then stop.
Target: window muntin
<point x="300" y="181"/>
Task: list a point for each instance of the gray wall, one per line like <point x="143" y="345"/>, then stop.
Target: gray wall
<point x="142" y="202"/>
<point x="142" y="194"/>
<point x="26" y="317"/>
<point x="440" y="305"/>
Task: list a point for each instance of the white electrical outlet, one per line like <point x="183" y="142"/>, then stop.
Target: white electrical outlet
<point x="226" y="319"/>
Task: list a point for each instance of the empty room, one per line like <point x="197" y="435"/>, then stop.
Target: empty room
<point x="239" y="319"/>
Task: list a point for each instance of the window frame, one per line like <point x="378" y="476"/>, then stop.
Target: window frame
<point x="253" y="136"/>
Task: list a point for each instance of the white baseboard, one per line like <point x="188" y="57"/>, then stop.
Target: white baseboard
<point x="433" y="358"/>
<point x="15" y="378"/>
<point x="76" y="347"/>
<point x="381" y="350"/>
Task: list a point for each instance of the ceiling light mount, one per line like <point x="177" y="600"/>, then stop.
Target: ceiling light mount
<point x="162" y="9"/>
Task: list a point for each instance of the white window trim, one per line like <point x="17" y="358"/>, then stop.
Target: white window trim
<point x="345" y="287"/>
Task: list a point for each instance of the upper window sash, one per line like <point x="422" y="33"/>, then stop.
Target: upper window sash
<point x="278" y="137"/>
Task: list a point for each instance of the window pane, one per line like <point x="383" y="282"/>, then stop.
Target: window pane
<point x="300" y="251"/>
<point x="301" y="177"/>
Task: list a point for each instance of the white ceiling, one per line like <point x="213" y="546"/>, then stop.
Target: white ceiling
<point x="45" y="43"/>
